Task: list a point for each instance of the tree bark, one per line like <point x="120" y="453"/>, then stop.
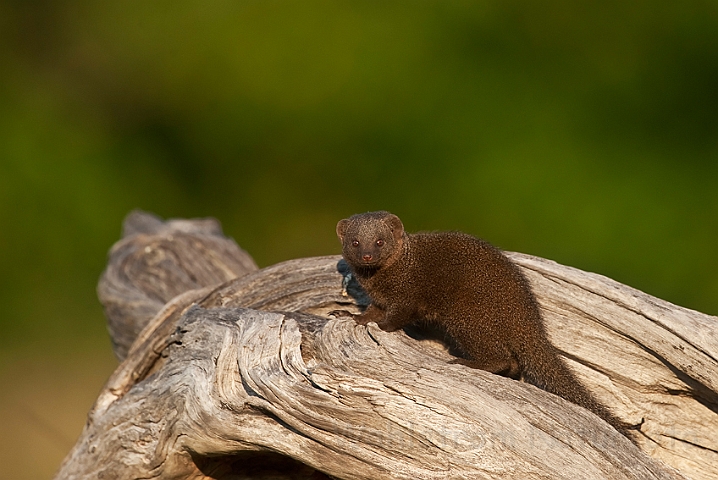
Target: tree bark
<point x="231" y="372"/>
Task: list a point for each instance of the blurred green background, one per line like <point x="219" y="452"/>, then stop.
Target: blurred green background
<point x="583" y="132"/>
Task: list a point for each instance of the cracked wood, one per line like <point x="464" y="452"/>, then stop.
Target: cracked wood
<point x="246" y="377"/>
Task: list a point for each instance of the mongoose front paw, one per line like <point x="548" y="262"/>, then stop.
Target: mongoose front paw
<point x="340" y="313"/>
<point x="362" y="319"/>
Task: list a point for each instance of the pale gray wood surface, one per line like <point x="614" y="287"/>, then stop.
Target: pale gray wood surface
<point x="156" y="261"/>
<point x="217" y="384"/>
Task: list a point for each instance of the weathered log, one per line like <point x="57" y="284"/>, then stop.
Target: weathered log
<point x="155" y="261"/>
<point x="249" y="378"/>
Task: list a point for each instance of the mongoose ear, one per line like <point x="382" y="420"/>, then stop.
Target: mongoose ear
<point x="342" y="228"/>
<point x="397" y="228"/>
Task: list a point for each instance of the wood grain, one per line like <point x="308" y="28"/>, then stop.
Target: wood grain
<point x="249" y="378"/>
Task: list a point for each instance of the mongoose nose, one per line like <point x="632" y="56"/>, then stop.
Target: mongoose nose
<point x="366" y="257"/>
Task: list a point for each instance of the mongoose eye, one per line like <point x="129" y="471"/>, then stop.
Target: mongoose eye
<point x="379" y="243"/>
<point x="355" y="243"/>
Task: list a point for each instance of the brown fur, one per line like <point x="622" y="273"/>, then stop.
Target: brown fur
<point x="469" y="288"/>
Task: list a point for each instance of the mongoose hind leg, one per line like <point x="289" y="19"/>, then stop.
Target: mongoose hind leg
<point x="504" y="365"/>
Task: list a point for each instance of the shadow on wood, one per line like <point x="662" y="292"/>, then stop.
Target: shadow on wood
<point x="233" y="372"/>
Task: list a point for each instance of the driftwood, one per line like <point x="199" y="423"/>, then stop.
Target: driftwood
<point x="247" y="377"/>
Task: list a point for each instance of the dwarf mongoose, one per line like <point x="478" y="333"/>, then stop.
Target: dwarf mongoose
<point x="467" y="287"/>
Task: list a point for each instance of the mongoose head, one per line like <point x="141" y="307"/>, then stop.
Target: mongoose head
<point x="371" y="240"/>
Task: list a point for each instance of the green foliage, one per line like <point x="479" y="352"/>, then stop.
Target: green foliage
<point x="585" y="132"/>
